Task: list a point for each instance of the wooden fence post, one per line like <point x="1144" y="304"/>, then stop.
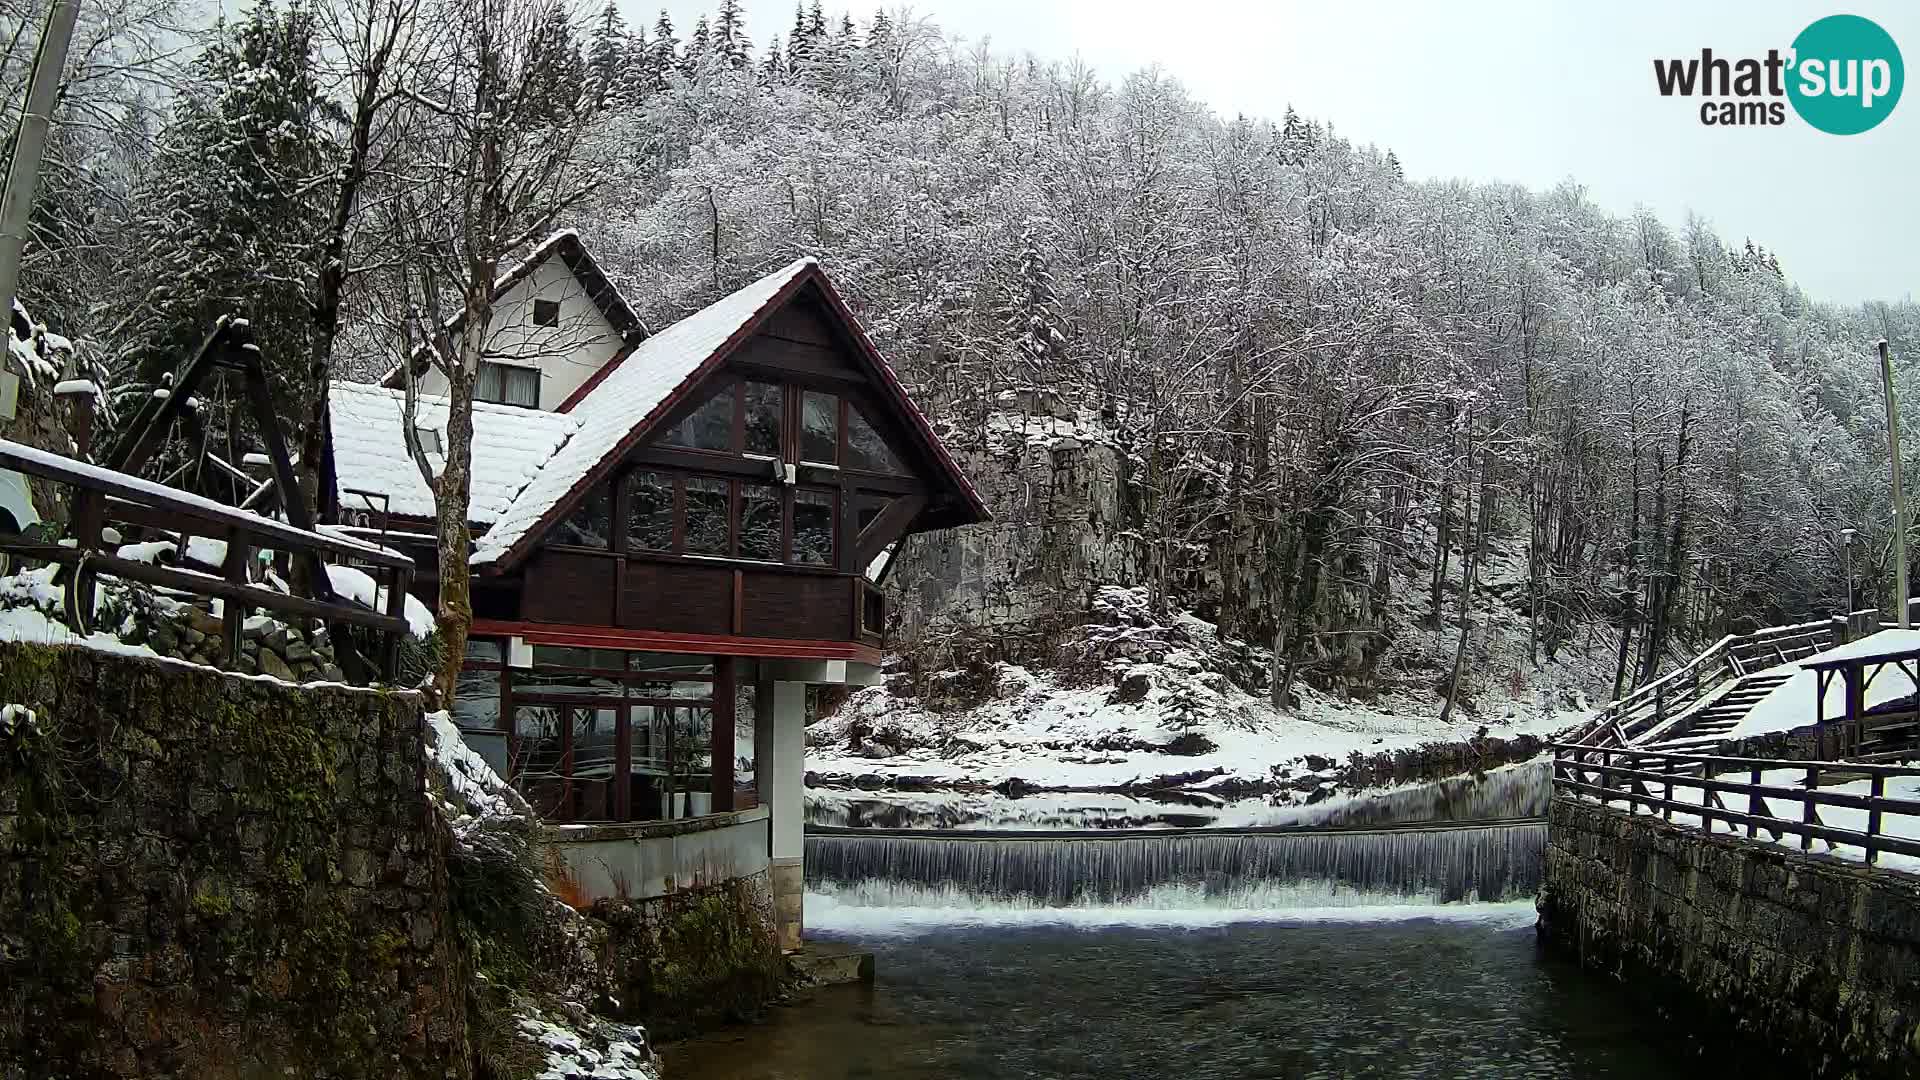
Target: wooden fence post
<point x="1808" y="816"/>
<point x="232" y="612"/>
<point x="1873" y="817"/>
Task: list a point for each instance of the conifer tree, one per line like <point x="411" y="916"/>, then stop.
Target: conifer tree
<point x="730" y="33"/>
<point x="698" y="47"/>
<point x="800" y="44"/>
<point x="1041" y="346"/>
<point x="772" y="71"/>
<point x="555" y="72"/>
<point x="639" y="76"/>
<point x="231" y="226"/>
<point x="607" y="52"/>
<point x="665" y="49"/>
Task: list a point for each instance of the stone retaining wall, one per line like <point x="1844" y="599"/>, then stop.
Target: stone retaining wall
<point x="210" y="876"/>
<point x="1816" y="959"/>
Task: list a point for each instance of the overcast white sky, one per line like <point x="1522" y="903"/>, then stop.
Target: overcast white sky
<point x="1528" y="92"/>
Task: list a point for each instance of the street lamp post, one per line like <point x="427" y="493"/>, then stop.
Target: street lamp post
<point x="1846" y="562"/>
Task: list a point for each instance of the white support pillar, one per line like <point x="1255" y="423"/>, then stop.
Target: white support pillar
<point x="779" y="770"/>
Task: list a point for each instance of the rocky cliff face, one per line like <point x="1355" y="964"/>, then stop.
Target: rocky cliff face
<point x="1076" y="518"/>
<point x="1064" y="524"/>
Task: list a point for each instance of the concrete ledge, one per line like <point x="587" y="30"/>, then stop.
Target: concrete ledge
<point x="830" y="963"/>
<point x="642" y="859"/>
<point x="653" y="830"/>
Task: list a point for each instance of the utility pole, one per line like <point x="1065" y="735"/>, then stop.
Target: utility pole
<point x="1899" y="501"/>
<point x="30" y="141"/>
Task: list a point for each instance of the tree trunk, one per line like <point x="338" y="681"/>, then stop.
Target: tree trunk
<point x="1474" y="554"/>
<point x="454" y="617"/>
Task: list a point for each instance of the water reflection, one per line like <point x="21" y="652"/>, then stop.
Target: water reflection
<point x="1419" y="998"/>
<point x="1513" y="791"/>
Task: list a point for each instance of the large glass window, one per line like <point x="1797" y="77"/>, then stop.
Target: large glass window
<point x="819" y="427"/>
<point x="764" y="404"/>
<point x="649" y="512"/>
<point x="813" y="527"/>
<point x="759" y="522"/>
<point x="707" y="516"/>
<point x="589" y="525"/>
<point x="709" y="427"/>
<point x="605" y="734"/>
<point x="866" y="450"/>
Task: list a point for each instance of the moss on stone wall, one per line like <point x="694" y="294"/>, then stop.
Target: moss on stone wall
<point x="202" y="875"/>
<point x="694" y="958"/>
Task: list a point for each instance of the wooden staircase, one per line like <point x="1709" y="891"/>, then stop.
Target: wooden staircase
<point x="1708" y="724"/>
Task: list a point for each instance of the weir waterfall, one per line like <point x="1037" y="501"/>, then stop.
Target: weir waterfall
<point x="1348" y="858"/>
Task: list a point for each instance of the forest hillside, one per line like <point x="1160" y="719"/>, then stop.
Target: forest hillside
<point x="1232" y="385"/>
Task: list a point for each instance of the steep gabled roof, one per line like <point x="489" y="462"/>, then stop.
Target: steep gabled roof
<point x="509" y="445"/>
<point x="574" y="255"/>
<point x="621" y="404"/>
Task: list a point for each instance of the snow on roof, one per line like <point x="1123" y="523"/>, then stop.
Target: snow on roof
<point x="625" y="397"/>
<point x="1791" y="704"/>
<point x="1880" y="644"/>
<point x="509" y="446"/>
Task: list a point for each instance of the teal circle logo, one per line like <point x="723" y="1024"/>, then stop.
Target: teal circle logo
<point x="1846" y="76"/>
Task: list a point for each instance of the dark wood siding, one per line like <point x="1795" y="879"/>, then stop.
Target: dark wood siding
<point x="763" y="354"/>
<point x="568" y="587"/>
<point x="801" y="321"/>
<point x="679" y="597"/>
<point x="808" y="606"/>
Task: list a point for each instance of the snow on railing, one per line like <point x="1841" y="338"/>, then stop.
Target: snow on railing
<point x="1863" y="811"/>
<point x="1648" y="708"/>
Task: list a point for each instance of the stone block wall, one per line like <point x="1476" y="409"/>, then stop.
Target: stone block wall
<point x="694" y="958"/>
<point x="203" y="875"/>
<point x="1815" y="959"/>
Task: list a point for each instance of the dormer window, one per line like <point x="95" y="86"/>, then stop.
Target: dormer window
<point x="546" y="313"/>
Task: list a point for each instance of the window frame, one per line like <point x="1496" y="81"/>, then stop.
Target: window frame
<point x="544" y="305"/>
<point x="505" y="369"/>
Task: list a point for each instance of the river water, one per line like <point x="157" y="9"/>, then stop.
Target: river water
<point x="1206" y="994"/>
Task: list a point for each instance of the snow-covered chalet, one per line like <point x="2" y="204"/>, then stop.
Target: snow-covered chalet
<point x="675" y="531"/>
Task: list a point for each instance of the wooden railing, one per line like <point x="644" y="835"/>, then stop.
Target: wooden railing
<point x="101" y="495"/>
<point x="1650" y="779"/>
<point x="1623" y="722"/>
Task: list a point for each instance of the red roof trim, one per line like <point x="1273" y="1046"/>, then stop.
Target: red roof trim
<point x="864" y="347"/>
<point x="611" y="637"/>
<point x="693" y="379"/>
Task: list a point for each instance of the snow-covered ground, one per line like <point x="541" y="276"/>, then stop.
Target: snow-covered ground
<point x="1049" y="735"/>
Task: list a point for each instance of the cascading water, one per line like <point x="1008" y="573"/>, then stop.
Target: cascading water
<point x="1225" y="868"/>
